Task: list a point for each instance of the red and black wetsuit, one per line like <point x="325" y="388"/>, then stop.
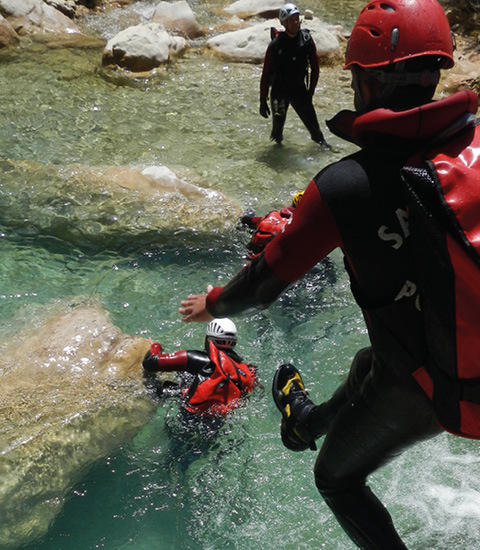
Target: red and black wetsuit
<point x="266" y="227"/>
<point x="286" y="70"/>
<point x="220" y="381"/>
<point x="356" y="204"/>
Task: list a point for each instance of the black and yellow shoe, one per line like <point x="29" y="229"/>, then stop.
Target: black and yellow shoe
<point x="293" y="402"/>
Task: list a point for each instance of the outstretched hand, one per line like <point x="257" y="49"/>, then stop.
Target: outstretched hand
<point x="193" y="308"/>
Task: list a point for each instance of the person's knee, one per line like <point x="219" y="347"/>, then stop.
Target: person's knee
<point x="334" y="479"/>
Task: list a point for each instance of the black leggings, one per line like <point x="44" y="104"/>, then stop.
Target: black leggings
<point x="301" y="101"/>
<point x="369" y="420"/>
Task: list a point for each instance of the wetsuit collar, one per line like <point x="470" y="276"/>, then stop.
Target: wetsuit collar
<point x="382" y="127"/>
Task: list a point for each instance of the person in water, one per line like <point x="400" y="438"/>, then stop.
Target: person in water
<point x="266" y="227"/>
<point x="213" y="381"/>
<point x="290" y="72"/>
<point x="395" y="53"/>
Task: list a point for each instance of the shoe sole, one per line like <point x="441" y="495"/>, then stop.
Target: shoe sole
<point x="277" y="395"/>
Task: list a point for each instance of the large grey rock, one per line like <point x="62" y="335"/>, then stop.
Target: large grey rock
<point x="143" y="47"/>
<point x="177" y="18"/>
<point x="249" y="44"/>
<point x="36" y="17"/>
<point x="8" y="36"/>
<point x="71" y="392"/>
<point x="254" y="8"/>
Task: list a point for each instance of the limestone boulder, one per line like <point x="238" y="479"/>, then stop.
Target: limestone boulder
<point x="72" y="391"/>
<point x="246" y="9"/>
<point x="8" y="36"/>
<point x="34" y="17"/>
<point x="67" y="7"/>
<point x="178" y="19"/>
<point x="249" y="44"/>
<point x="143" y="47"/>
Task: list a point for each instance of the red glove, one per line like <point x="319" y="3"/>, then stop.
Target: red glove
<point x="150" y="361"/>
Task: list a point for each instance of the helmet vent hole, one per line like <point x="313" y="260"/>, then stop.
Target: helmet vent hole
<point x="373" y="32"/>
<point x="387" y="7"/>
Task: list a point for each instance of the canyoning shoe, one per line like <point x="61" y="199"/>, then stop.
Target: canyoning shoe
<point x="325" y="145"/>
<point x="277" y="139"/>
<point x="293" y="402"/>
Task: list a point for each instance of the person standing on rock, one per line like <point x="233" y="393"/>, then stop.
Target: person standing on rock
<point x="290" y="70"/>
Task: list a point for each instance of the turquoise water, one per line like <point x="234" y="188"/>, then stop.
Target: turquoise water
<point x="199" y="116"/>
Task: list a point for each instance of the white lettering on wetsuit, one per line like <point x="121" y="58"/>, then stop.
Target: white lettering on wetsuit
<point x="396" y="239"/>
<point x="409" y="289"/>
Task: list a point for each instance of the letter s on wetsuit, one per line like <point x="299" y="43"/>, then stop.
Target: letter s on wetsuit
<point x="356" y="204"/>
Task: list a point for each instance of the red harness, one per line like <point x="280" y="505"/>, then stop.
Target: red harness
<point x="225" y="389"/>
<point x="270" y="226"/>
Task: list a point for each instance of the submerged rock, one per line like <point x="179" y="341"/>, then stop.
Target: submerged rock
<point x="71" y="392"/>
<point x="107" y="208"/>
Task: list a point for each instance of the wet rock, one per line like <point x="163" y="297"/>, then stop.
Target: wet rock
<point x="31" y="17"/>
<point x="249" y="44"/>
<point x="247" y="9"/>
<point x="8" y="36"/>
<point x="142" y="48"/>
<point x="112" y="207"/>
<point x="71" y="392"/>
<point x="464" y="75"/>
<point x="178" y="19"/>
<point x="67" y="7"/>
<point x="463" y="15"/>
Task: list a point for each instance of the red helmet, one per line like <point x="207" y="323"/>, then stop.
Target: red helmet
<point x="388" y="31"/>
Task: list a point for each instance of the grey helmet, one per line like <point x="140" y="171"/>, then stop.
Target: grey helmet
<point x="223" y="333"/>
<point x="287" y="11"/>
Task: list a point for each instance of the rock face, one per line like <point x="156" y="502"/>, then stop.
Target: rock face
<point x="178" y="19"/>
<point x="71" y="392"/>
<point x="142" y="48"/>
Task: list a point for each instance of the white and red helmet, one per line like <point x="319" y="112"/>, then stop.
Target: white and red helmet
<point x="222" y="332"/>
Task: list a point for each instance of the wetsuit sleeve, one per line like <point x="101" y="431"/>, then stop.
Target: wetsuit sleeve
<point x="190" y="361"/>
<point x="309" y="236"/>
<point x="255" y="221"/>
<point x="314" y="67"/>
<point x="265" y="78"/>
<point x="286" y="211"/>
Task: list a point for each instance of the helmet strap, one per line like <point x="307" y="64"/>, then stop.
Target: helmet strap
<point x="359" y="101"/>
<point x="400" y="77"/>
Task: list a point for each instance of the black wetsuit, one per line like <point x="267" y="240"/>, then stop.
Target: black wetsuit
<point x="380" y="410"/>
<point x="286" y="70"/>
